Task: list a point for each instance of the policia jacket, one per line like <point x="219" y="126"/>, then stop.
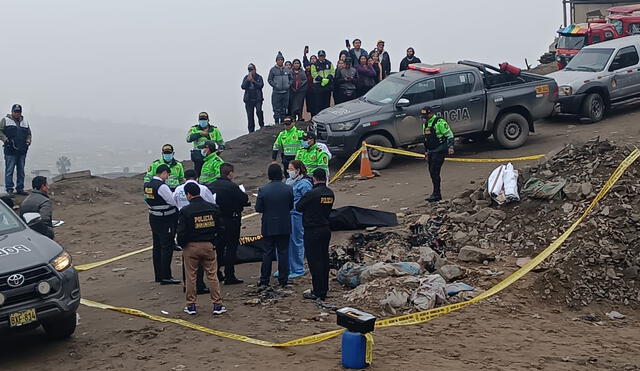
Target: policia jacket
<point x="158" y="206"/>
<point x="289" y="142"/>
<point x="316" y="206"/>
<point x="323" y="74"/>
<point x="314" y="158"/>
<point x="438" y="136"/>
<point x="176" y="177"/>
<point x="199" y="222"/>
<point x="211" y="168"/>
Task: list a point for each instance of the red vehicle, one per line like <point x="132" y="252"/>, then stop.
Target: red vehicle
<point x="633" y="9"/>
<point x="625" y="25"/>
<point x="576" y="36"/>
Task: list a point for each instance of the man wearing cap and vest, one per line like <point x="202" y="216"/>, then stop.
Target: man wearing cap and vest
<point x="177" y="170"/>
<point x="438" y="142"/>
<point x="311" y="155"/>
<point x="163" y="216"/>
<point x="15" y="133"/>
<point x="322" y="73"/>
<point x="289" y="141"/>
<point x="200" y="133"/>
<point x="211" y="167"/>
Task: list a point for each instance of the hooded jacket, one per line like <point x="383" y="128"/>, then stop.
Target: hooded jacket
<point x="342" y="78"/>
<point x="253" y="89"/>
<point x="280" y="79"/>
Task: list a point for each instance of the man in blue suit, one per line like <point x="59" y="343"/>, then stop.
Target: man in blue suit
<point x="275" y="202"/>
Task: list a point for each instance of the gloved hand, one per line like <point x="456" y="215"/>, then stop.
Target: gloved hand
<point x="330" y="77"/>
<point x="318" y="78"/>
<point x="324" y="82"/>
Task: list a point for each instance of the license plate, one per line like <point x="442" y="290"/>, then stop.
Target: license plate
<point x="22" y="318"/>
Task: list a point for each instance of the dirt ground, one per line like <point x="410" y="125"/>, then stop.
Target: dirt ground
<point x="512" y="331"/>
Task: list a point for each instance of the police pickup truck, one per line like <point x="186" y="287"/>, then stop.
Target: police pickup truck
<point x="478" y="100"/>
<point x="38" y="283"/>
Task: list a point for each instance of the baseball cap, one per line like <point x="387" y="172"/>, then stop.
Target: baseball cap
<point x="425" y="110"/>
<point x="211" y="145"/>
<point x="162" y="168"/>
<point x="167" y="148"/>
<point x="322" y="52"/>
<point x="309" y="135"/>
<point x="203" y="116"/>
<point x="16" y="108"/>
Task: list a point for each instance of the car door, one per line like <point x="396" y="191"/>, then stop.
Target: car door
<point x="626" y="77"/>
<point x="464" y="102"/>
<point x="407" y="121"/>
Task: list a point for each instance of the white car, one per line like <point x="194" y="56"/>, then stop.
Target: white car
<point x="598" y="76"/>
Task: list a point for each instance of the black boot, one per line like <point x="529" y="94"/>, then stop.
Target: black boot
<point x="434" y="198"/>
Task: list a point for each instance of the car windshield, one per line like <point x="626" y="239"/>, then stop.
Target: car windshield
<point x="386" y="91"/>
<point x="591" y="60"/>
<point x="570" y="42"/>
<point x="617" y="24"/>
<point x="9" y="222"/>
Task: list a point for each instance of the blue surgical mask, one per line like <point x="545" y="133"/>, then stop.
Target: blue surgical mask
<point x="203" y="123"/>
<point x="305" y="144"/>
<point x="167" y="157"/>
<point x="204" y="152"/>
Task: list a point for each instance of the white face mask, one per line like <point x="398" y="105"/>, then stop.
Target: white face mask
<point x="292" y="173"/>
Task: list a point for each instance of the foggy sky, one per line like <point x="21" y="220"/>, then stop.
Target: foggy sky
<point x="161" y="62"/>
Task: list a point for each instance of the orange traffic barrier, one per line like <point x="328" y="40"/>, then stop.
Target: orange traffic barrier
<point x="365" y="164"/>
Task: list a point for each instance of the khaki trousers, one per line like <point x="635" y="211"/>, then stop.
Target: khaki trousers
<point x="203" y="253"/>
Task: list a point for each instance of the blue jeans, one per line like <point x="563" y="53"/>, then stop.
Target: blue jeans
<point x="296" y="245"/>
<point x="14" y="162"/>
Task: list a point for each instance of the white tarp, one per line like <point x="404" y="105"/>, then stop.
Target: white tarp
<point x="503" y="184"/>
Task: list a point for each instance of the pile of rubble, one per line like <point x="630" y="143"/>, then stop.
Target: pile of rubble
<point x="472" y="239"/>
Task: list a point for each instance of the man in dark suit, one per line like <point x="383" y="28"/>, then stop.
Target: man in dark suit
<point x="231" y="200"/>
<point x="275" y="202"/>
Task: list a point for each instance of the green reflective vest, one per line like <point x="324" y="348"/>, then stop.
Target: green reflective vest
<point x="198" y="140"/>
<point x="314" y="158"/>
<point x="210" y="169"/>
<point x="175" y="178"/>
<point x="443" y="132"/>
<point x="289" y="141"/>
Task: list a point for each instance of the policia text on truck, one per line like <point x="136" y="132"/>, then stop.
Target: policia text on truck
<point x="477" y="100"/>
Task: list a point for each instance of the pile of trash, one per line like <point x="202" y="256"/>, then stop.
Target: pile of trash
<point x="472" y="238"/>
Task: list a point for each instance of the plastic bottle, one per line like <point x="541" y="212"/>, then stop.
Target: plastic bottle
<point x="354" y="350"/>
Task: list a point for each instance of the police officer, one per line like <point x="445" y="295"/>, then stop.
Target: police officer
<point x="198" y="232"/>
<point x="311" y="155"/>
<point x="163" y="216"/>
<point x="315" y="207"/>
<point x="438" y="142"/>
<point x="177" y="170"/>
<point x="232" y="201"/>
<point x="200" y="133"/>
<point x="288" y="141"/>
<point x="211" y="167"/>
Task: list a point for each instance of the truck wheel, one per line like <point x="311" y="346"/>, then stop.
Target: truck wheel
<point x="379" y="160"/>
<point x="593" y="107"/>
<point x="511" y="131"/>
<point x="61" y="328"/>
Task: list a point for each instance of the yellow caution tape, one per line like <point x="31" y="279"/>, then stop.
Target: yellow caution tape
<point x="455" y="159"/>
<point x="368" y="359"/>
<point x="228" y="335"/>
<point x="409" y="319"/>
<point x="346" y="165"/>
<point x="424" y="316"/>
<point x="85" y="267"/>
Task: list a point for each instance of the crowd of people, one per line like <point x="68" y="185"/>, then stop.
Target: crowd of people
<point x="199" y="212"/>
<point x="312" y="82"/>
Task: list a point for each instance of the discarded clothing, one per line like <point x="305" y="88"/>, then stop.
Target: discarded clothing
<point x="352" y="217"/>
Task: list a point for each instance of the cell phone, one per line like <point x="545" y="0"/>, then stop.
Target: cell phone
<point x="306" y="49"/>
<point x="346" y="42"/>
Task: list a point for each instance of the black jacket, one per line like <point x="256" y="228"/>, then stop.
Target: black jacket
<point x="199" y="222"/>
<point x="229" y="197"/>
<point x="275" y="202"/>
<point x="385" y="61"/>
<point x="252" y="89"/>
<point x="316" y="206"/>
<point x="405" y="62"/>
